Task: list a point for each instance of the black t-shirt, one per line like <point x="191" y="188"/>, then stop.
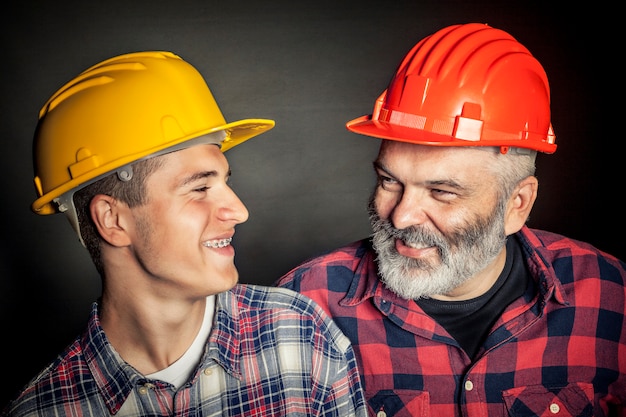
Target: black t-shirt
<point x="469" y="321"/>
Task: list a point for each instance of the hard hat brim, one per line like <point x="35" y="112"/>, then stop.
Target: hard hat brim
<point x="364" y="125"/>
<point x="242" y="130"/>
<point x="236" y="133"/>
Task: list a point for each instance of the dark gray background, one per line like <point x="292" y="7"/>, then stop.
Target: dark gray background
<point x="311" y="66"/>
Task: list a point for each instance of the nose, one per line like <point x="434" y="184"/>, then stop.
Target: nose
<point x="409" y="210"/>
<point x="232" y="208"/>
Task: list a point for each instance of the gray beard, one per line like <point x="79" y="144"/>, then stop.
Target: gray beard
<point x="463" y="252"/>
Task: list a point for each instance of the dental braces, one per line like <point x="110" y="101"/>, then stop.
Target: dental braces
<point x="218" y="243"/>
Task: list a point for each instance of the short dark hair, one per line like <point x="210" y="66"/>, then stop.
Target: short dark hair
<point x="131" y="192"/>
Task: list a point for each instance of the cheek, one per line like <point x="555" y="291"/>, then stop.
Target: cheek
<point x="452" y="220"/>
<point x="171" y="223"/>
<point x="384" y="203"/>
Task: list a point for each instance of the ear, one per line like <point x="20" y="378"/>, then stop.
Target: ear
<point x="107" y="214"/>
<point x="520" y="204"/>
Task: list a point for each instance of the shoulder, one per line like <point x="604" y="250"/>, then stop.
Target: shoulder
<point x="284" y="311"/>
<point x="559" y="246"/>
<point x="55" y="384"/>
<point x="277" y="301"/>
<point x="571" y="259"/>
<point x="271" y="298"/>
<point x="346" y="258"/>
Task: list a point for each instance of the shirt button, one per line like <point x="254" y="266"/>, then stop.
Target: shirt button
<point x="554" y="408"/>
<point x="207" y="371"/>
<point x="381" y="414"/>
<point x="469" y="385"/>
<point x="143" y="390"/>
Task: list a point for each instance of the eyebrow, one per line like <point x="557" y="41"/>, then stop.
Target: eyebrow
<point x="448" y="183"/>
<point x="201" y="175"/>
<point x="378" y="165"/>
<point x="430" y="183"/>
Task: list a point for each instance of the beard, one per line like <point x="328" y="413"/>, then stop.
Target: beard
<point x="463" y="252"/>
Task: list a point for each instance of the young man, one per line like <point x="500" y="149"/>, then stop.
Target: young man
<point x="131" y="150"/>
<point x="454" y="306"/>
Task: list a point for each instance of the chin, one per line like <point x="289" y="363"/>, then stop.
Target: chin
<point x="230" y="277"/>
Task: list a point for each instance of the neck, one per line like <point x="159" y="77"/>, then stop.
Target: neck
<point x="149" y="332"/>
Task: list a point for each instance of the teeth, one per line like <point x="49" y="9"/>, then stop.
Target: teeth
<point x="416" y="245"/>
<point x="219" y="243"/>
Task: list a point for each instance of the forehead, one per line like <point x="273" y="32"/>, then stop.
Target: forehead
<point x="206" y="153"/>
<point x="188" y="161"/>
<point x="435" y="163"/>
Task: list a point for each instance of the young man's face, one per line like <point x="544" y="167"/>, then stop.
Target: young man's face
<point x="181" y="236"/>
<point x="438" y="223"/>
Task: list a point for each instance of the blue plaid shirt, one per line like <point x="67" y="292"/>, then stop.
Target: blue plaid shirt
<point x="271" y="352"/>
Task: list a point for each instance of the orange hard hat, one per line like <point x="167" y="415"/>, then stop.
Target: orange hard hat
<point x="465" y="85"/>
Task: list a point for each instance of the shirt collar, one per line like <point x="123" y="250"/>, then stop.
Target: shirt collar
<point x="114" y="377"/>
<point x="540" y="263"/>
<point x="366" y="284"/>
<point x="224" y="340"/>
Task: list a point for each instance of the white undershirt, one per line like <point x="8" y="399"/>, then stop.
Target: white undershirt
<point x="179" y="372"/>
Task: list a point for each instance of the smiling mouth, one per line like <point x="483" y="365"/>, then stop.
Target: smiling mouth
<point x="416" y="245"/>
<point x="217" y="243"/>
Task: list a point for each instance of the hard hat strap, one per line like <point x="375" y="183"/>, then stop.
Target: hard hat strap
<point x="65" y="203"/>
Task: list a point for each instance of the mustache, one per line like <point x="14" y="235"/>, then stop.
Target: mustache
<point x="417" y="235"/>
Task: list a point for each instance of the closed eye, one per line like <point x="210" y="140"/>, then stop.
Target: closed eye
<point x="446" y="190"/>
<point x="443" y="195"/>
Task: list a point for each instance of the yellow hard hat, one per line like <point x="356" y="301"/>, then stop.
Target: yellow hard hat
<point x="119" y="111"/>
